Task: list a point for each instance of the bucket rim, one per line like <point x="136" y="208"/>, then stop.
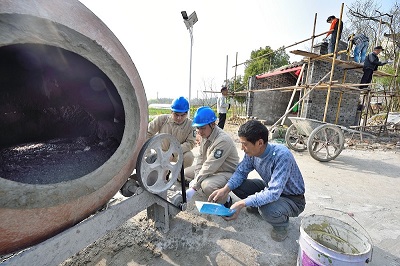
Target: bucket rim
<point x="304" y="234"/>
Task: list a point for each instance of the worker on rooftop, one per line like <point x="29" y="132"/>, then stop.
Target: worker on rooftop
<point x="361" y="42"/>
<point x="333" y="31"/>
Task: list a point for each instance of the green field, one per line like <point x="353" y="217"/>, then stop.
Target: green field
<point x="160" y="111"/>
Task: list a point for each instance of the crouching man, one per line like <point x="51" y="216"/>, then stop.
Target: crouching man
<point x="279" y="194"/>
<point x="217" y="158"/>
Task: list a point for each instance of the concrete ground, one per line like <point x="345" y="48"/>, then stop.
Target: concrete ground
<point x="364" y="183"/>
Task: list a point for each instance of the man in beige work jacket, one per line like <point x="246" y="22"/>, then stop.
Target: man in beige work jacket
<point x="217" y="159"/>
<point x="178" y="125"/>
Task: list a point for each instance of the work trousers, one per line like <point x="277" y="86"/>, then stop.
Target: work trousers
<point x="332" y="41"/>
<point x="221" y="120"/>
<point x="366" y="78"/>
<point x="360" y="52"/>
<point x="211" y="183"/>
<point x="276" y="213"/>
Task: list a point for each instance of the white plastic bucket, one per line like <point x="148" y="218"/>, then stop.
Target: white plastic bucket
<point x="328" y="241"/>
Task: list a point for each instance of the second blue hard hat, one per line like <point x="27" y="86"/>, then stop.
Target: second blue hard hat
<point x="203" y="116"/>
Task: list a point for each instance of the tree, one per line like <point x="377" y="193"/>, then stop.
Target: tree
<point x="235" y="85"/>
<point x="265" y="59"/>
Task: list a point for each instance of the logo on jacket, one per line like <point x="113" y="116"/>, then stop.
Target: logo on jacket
<point x="218" y="153"/>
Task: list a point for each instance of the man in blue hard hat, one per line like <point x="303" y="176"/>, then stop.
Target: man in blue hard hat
<point x="179" y="125"/>
<point x="217" y="159"/>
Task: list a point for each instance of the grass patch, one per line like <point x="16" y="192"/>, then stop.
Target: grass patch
<point x="158" y="111"/>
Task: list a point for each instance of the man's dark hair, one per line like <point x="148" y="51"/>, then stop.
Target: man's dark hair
<point x="224" y="88"/>
<point x="253" y="130"/>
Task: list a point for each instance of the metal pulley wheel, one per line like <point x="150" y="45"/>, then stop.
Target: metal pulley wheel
<point x="159" y="163"/>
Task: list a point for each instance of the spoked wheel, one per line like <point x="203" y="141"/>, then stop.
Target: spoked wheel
<point x="295" y="140"/>
<point x="159" y="163"/>
<point x="325" y="143"/>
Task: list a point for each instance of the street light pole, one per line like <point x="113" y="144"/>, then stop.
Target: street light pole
<point x="189" y="22"/>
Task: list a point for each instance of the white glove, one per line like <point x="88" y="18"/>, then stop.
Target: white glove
<point x="189" y="193"/>
<point x="192" y="183"/>
<point x="389" y="62"/>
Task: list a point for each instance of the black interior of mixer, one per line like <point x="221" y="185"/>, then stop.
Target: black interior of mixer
<point x="60" y="116"/>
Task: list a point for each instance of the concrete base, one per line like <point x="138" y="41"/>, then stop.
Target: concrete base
<point x="71" y="241"/>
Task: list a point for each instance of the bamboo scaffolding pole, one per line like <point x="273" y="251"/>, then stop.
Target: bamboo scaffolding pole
<point x="309" y="60"/>
<point x="293" y="93"/>
<point x="234" y="84"/>
<point x="305" y="95"/>
<point x="333" y="64"/>
<point x="282" y="48"/>
<point x="343" y="81"/>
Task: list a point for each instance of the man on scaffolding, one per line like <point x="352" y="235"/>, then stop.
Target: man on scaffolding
<point x="333" y="31"/>
<point x="371" y="64"/>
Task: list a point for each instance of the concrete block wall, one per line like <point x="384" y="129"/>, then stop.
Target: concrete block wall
<point x="314" y="105"/>
<point x="320" y="68"/>
<point x="269" y="105"/>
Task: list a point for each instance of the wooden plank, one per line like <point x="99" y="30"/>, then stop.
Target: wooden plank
<point x="349" y="65"/>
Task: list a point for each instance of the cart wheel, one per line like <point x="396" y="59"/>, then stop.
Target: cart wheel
<point x="295" y="140"/>
<point x="159" y="163"/>
<point x="325" y="142"/>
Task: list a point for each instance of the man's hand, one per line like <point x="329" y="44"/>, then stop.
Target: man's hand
<point x="238" y="206"/>
<point x="219" y="194"/>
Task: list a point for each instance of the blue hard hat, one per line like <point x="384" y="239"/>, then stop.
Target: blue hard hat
<point x="180" y="105"/>
<point x="203" y="116"/>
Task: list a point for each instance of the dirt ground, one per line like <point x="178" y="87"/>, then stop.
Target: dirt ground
<point x="364" y="182"/>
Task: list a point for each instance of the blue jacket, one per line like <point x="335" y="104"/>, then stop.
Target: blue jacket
<point x="277" y="168"/>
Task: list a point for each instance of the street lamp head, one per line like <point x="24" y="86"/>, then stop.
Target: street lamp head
<point x="193" y="18"/>
<point x="184" y="15"/>
<point x="189" y="21"/>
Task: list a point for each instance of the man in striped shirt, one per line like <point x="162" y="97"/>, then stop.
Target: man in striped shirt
<point x="279" y="194"/>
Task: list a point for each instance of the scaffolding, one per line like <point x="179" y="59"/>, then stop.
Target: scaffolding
<point x="341" y="87"/>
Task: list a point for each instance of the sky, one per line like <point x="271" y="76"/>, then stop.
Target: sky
<point x="156" y="38"/>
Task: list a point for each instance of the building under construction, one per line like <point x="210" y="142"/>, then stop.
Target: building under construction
<point x="320" y="86"/>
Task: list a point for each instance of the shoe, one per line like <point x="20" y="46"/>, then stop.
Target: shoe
<point x="228" y="203"/>
<point x="279" y="233"/>
<point x="253" y="210"/>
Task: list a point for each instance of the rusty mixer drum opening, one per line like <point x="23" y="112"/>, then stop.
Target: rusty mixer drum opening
<point x="70" y="99"/>
<point x="61" y="117"/>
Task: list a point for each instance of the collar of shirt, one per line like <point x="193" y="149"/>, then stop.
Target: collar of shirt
<point x="267" y="151"/>
<point x="213" y="134"/>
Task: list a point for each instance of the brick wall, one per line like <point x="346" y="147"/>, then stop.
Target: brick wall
<point x="314" y="105"/>
<point x="269" y="105"/>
